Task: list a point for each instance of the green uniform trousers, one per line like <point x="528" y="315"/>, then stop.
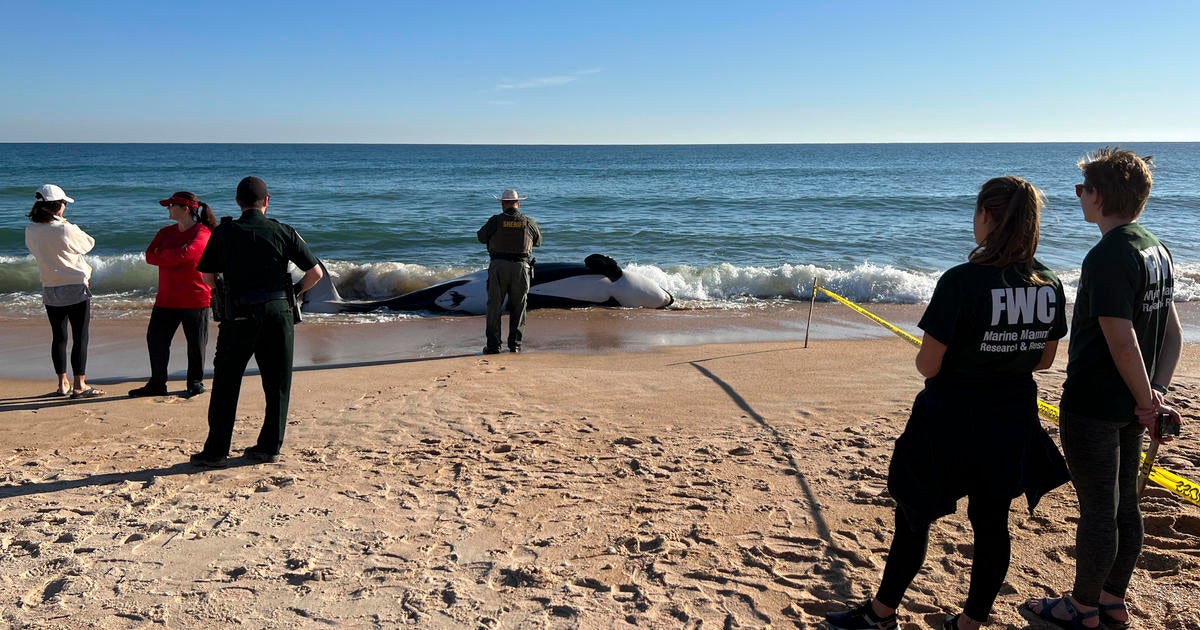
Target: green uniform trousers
<point x="507" y="279"/>
<point x="265" y="332"/>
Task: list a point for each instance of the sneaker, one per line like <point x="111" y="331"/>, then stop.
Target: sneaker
<point x="149" y="389"/>
<point x="208" y="461"/>
<point x="491" y="350"/>
<point x="514" y="349"/>
<point x="194" y="389"/>
<point x="861" y="618"/>
<point x="258" y="455"/>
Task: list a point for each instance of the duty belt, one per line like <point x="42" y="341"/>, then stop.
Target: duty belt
<point x="512" y="257"/>
<point x="260" y="297"/>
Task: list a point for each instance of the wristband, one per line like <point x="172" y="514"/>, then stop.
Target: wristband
<point x="1162" y="389"/>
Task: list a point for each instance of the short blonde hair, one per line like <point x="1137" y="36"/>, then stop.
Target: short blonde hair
<point x="1121" y="177"/>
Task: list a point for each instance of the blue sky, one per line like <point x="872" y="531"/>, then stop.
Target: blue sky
<point x="566" y="72"/>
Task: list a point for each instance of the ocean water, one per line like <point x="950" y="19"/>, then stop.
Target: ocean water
<point x="718" y="226"/>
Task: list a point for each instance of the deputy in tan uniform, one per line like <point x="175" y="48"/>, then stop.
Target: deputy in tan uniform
<point x="510" y="237"/>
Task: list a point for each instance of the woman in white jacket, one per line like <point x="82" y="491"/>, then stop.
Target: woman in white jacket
<point x="59" y="246"/>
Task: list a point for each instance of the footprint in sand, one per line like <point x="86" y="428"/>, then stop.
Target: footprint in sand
<point x="56" y="589"/>
<point x="1162" y="526"/>
<point x="531" y="576"/>
<point x="1159" y="564"/>
<point x="523" y="554"/>
<point x="1188" y="525"/>
<point x="150" y="533"/>
<point x="273" y="483"/>
<point x="490" y="368"/>
<point x="806" y="554"/>
<point x="44" y="593"/>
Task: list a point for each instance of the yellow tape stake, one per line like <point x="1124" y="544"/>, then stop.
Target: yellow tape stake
<point x="1189" y="490"/>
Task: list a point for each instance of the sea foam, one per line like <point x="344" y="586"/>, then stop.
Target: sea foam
<point x="126" y="282"/>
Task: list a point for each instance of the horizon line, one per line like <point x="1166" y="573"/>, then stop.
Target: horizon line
<point x="593" y="144"/>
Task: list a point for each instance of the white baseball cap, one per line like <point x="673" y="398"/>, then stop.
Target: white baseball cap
<point x="510" y="195"/>
<point x="50" y="192"/>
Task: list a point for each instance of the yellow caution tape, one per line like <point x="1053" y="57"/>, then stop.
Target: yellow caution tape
<point x="1048" y="411"/>
<point x="872" y="316"/>
<point x="1165" y="478"/>
<point x="1176" y="484"/>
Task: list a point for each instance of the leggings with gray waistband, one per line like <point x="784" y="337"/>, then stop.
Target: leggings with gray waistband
<point x="1104" y="457"/>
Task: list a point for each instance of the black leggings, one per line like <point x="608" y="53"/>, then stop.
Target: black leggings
<point x="1104" y="458"/>
<point x="79" y="316"/>
<point x="989" y="522"/>
<point x="163" y="324"/>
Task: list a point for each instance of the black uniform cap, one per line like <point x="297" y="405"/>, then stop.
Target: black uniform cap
<point x="251" y="190"/>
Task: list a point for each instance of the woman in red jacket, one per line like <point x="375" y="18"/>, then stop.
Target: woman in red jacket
<point x="183" y="298"/>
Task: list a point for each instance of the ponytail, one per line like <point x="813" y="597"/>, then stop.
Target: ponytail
<point x="1014" y="207"/>
<point x="205" y="215"/>
<point x="200" y="211"/>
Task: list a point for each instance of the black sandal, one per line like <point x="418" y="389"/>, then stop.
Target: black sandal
<point x="1046" y="615"/>
<point x="1110" y="622"/>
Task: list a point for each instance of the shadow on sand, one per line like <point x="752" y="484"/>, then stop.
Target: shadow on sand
<point x="841" y="580"/>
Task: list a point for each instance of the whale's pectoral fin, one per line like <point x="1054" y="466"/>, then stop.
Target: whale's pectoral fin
<point x="321" y="297"/>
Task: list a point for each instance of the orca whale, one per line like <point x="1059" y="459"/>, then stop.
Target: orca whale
<point x="599" y="281"/>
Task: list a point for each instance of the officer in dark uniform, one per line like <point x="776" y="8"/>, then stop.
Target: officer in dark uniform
<point x="510" y="237"/>
<point x="252" y="254"/>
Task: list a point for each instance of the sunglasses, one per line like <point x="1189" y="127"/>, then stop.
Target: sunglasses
<point x="1079" y="188"/>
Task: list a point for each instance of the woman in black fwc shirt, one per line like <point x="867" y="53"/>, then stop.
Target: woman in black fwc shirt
<point x="974" y="429"/>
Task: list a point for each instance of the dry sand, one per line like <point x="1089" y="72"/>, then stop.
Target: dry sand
<point x="684" y="486"/>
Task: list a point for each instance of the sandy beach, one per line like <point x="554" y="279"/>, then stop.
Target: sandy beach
<point x="629" y="470"/>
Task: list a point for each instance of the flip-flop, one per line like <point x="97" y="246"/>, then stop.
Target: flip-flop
<point x="90" y="392"/>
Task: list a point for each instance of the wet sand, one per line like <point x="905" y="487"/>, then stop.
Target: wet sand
<point x="627" y="471"/>
<point x="117" y="351"/>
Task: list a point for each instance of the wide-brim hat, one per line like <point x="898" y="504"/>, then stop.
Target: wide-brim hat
<point x="510" y="195"/>
<point x="50" y="192"/>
